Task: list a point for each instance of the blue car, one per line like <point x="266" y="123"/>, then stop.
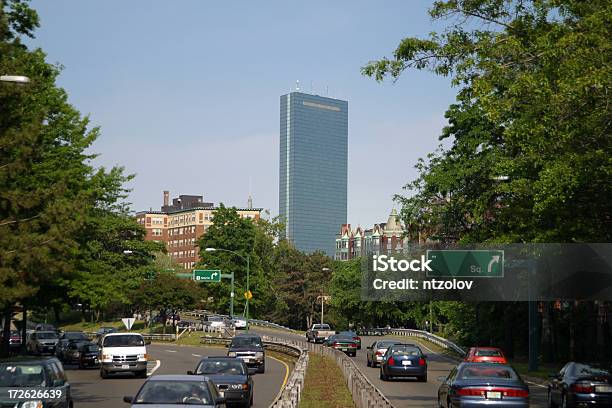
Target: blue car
<point x="404" y="360"/>
<point x="473" y="385"/>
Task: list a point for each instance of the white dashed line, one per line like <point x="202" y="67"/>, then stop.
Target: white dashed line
<point x="157" y="365"/>
<point x="536" y="384"/>
<point x="196" y="355"/>
<point x="171" y="351"/>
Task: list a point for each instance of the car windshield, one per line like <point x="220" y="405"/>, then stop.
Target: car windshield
<point x="343" y="338"/>
<point x="123" y="340"/>
<point x="75" y="336"/>
<point x="215" y="319"/>
<point x="46" y="335"/>
<point x="225" y="366"/>
<point x="174" y="392"/>
<point x="487" y="371"/>
<point x="406" y="351"/>
<point x="348" y="333"/>
<point x="321" y="327"/>
<point x="488" y="353"/>
<point x="246" y="341"/>
<point x="20" y="375"/>
<point x="90" y="348"/>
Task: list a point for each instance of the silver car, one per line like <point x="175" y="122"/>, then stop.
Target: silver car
<point x="171" y="391"/>
<point x="377" y="350"/>
<point x="41" y="342"/>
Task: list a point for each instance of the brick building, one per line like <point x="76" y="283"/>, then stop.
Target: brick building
<point x="179" y="225"/>
<point x="381" y="238"/>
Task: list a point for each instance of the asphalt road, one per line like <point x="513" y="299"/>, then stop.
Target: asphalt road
<point x="408" y="392"/>
<point x="90" y="391"/>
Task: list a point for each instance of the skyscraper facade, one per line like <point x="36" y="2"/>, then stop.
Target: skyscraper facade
<point x="313" y="169"/>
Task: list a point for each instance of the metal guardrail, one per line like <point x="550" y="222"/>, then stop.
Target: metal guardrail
<point x="440" y="341"/>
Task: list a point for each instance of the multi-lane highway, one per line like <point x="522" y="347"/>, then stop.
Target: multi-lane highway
<point x="407" y="392"/>
<point x="90" y="391"/>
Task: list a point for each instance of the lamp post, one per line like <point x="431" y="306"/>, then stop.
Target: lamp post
<point x="248" y="261"/>
<point x="323" y="297"/>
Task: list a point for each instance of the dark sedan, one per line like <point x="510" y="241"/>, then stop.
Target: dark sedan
<point x="403" y="360"/>
<point x="472" y="385"/>
<point x="177" y="391"/>
<point x="342" y="343"/>
<point x="89" y="355"/>
<point x="354" y="336"/>
<point x="581" y="385"/>
<point x="231" y="377"/>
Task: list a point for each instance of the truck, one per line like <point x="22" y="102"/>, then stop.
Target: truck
<point x="319" y="332"/>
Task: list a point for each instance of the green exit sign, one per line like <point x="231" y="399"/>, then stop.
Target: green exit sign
<point x="207" y="275"/>
<point x="472" y="263"/>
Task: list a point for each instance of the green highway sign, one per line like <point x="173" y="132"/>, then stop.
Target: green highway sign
<point x="207" y="275"/>
<point x="471" y="263"/>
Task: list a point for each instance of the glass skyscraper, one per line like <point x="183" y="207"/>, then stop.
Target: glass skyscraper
<point x="313" y="169"/>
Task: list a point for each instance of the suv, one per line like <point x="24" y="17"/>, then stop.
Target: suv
<point x="35" y="372"/>
<point x="123" y="353"/>
<point x="40" y="342"/>
<point x="249" y="348"/>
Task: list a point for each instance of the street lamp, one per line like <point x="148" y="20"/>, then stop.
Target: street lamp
<point x="323" y="298"/>
<point x="17" y="79"/>
<point x="248" y="261"/>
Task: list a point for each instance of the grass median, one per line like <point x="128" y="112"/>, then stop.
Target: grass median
<point x="324" y="385"/>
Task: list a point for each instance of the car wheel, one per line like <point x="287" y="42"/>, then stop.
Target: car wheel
<point x="103" y="373"/>
<point x="564" y="401"/>
<point x="369" y="363"/>
<point x="423" y="378"/>
<point x="551" y="404"/>
<point x="262" y="369"/>
<point x="383" y="376"/>
<point x="251" y="400"/>
<point x="142" y="374"/>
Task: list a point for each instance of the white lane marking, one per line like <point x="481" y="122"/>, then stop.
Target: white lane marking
<point x="157" y="365"/>
<point x="196" y="355"/>
<point x="171" y="351"/>
<point x="536" y="384"/>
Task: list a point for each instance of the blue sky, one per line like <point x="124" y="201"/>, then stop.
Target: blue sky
<point x="187" y="92"/>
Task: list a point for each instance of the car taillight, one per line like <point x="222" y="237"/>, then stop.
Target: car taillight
<point x="354" y="345"/>
<point x="422" y="361"/>
<point x="378" y="353"/>
<point x="391" y="361"/>
<point x="334" y="344"/>
<point x="482" y="392"/>
<point x="582" y="388"/>
<point x="471" y="392"/>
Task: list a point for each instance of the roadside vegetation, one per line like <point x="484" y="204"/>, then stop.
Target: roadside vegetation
<point x="324" y="385"/>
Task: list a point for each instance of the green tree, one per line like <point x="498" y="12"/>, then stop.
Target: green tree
<point x="530" y="146"/>
<point x="538" y="75"/>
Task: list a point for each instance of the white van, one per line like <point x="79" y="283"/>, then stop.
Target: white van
<point x="122" y="353"/>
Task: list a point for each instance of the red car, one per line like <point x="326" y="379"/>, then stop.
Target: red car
<point x="485" y="355"/>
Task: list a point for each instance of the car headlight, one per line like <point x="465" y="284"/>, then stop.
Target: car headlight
<point x="259" y="354"/>
<point x="106" y="357"/>
<point x="32" y="404"/>
<point x="231" y="354"/>
<point x="142" y="356"/>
